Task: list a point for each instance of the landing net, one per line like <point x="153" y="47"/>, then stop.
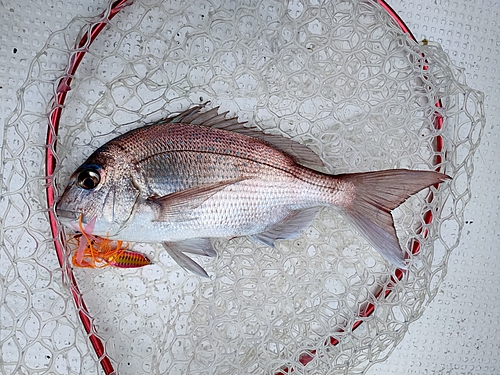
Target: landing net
<point x="342" y="77"/>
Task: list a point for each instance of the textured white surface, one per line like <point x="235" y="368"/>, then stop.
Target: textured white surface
<point x="459" y="332"/>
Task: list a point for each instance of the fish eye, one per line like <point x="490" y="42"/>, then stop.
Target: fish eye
<point x="88" y="179"/>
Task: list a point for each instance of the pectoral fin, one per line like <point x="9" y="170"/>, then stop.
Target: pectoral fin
<point x="178" y="206"/>
<point x="199" y="246"/>
<point x="289" y="227"/>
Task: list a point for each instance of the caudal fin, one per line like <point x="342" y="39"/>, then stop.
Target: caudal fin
<point x="377" y="194"/>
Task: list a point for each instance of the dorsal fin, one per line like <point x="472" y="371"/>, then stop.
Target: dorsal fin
<point x="212" y="118"/>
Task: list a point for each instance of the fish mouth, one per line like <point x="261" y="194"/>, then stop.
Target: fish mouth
<point x="65" y="214"/>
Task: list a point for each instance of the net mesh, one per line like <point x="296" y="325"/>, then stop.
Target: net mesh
<point x="340" y="77"/>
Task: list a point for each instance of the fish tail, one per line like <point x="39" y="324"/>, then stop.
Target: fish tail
<point x="376" y="194"/>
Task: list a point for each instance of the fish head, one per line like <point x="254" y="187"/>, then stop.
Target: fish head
<point x="101" y="193"/>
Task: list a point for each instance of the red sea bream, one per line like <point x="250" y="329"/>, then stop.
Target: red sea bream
<point x="200" y="175"/>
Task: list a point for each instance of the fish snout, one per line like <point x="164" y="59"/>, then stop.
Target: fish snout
<point x="65" y="215"/>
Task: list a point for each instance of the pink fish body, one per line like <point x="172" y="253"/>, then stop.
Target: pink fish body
<point x="197" y="176"/>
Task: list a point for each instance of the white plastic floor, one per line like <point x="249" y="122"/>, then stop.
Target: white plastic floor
<point x="460" y="331"/>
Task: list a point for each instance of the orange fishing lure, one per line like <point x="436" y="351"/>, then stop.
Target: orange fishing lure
<point x="97" y="252"/>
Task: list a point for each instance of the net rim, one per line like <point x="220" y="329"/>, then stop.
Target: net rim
<point x="62" y="88"/>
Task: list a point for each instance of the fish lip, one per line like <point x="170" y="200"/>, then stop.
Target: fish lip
<point x="66" y="214"/>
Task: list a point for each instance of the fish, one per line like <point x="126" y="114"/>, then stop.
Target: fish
<point x="200" y="174"/>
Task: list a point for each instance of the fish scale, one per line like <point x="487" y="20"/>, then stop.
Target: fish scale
<point x="265" y="196"/>
<point x="185" y="137"/>
<point x="191" y="155"/>
<point x="200" y="175"/>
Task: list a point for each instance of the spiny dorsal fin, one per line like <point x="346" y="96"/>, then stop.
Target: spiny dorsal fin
<point x="212" y="118"/>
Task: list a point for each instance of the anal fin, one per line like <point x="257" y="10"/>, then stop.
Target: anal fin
<point x="290" y="227"/>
